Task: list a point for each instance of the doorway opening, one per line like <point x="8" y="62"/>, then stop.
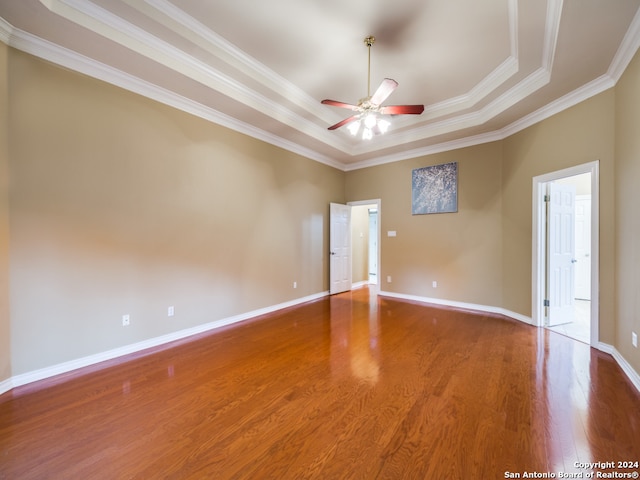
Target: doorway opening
<point x="368" y="250"/>
<point x="565" y="252"/>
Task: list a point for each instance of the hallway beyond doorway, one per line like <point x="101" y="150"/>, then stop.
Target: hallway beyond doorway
<point x="580" y="328"/>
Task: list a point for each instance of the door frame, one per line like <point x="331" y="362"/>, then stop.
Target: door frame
<point x="538" y="243"/>
<point x="378" y="203"/>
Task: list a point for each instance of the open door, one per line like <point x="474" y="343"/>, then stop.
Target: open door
<point x="583" y="247"/>
<point x="339" y="248"/>
<point x="561" y="254"/>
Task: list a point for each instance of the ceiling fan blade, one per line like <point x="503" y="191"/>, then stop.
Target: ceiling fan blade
<point x="385" y="89"/>
<point x="344" y="122"/>
<point x="335" y="103"/>
<point x="402" y="110"/>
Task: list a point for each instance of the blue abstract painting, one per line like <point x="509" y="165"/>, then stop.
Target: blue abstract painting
<point x="435" y="189"/>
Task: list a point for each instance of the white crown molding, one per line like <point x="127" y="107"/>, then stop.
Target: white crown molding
<point x="74" y="61"/>
<point x="627" y="50"/>
<point x="569" y="100"/>
<point x="484" y="88"/>
<point x="66" y="58"/>
<point x="218" y="46"/>
<point x="171" y="16"/>
<point x="122" y="32"/>
<point x="5" y="31"/>
<point x="531" y="83"/>
<point x="552" y="29"/>
<point x="424" y="151"/>
<point x="573" y="98"/>
<point x="113" y="27"/>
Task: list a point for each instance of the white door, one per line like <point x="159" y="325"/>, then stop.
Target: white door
<point x="339" y="248"/>
<point x="561" y="254"/>
<point x="583" y="247"/>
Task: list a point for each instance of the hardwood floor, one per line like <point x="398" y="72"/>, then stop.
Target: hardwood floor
<point x="350" y="386"/>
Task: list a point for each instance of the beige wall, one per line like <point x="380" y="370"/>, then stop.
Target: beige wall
<point x="5" y="325"/>
<point x="121" y="205"/>
<point x="627" y="218"/>
<point x="482" y="254"/>
<point x="579" y="135"/>
<point x="461" y="251"/>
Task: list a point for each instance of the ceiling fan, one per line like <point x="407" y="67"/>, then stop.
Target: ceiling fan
<point x="369" y="108"/>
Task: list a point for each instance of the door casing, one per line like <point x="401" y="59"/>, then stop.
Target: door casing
<point x="378" y="203"/>
<point x="538" y="242"/>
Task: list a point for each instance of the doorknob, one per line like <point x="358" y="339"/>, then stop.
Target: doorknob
<point x="333" y="253"/>
<point x="573" y="260"/>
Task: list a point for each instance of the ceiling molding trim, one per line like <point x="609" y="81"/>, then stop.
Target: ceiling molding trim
<point x="48" y="51"/>
<point x="63" y="57"/>
<point x="430" y="150"/>
<point x="230" y="54"/>
<point x="530" y="84"/>
<point x="552" y="30"/>
<point x="5" y="31"/>
<point x="503" y="72"/>
<point x="628" y="48"/>
<point x="114" y="28"/>
<point x="591" y="89"/>
<point x="485" y="87"/>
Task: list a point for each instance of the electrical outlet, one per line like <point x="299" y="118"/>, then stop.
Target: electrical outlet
<point x="171" y="311"/>
<point x="634" y="339"/>
<point x="295" y="284"/>
<point x="435" y="284"/>
<point x="388" y="278"/>
<point x="125" y="320"/>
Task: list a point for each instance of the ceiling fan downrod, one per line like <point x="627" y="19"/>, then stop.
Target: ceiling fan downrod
<point x="369" y="41"/>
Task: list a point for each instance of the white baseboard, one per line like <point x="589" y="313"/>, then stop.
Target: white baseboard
<point x="66" y="367"/>
<point x="603" y="347"/>
<point x="461" y="305"/>
<point x="627" y="368"/>
<point x="620" y="360"/>
<point x="6" y="385"/>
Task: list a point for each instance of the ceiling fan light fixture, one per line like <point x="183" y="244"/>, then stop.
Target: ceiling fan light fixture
<point x="370" y="120"/>
<point x="370" y="108"/>
<point x="383" y="125"/>
<point x="354" y="127"/>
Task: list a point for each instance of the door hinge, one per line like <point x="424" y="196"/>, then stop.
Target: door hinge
<point x="547" y="199"/>
<point x="547" y="303"/>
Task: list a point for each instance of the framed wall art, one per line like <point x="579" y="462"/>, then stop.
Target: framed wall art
<point x="435" y="189"/>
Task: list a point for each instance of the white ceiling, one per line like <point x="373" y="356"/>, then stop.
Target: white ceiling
<point x="484" y="69"/>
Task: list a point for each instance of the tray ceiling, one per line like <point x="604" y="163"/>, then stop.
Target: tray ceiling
<point x="483" y="70"/>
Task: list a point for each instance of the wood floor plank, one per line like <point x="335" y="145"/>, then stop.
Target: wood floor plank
<point x="351" y="386"/>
